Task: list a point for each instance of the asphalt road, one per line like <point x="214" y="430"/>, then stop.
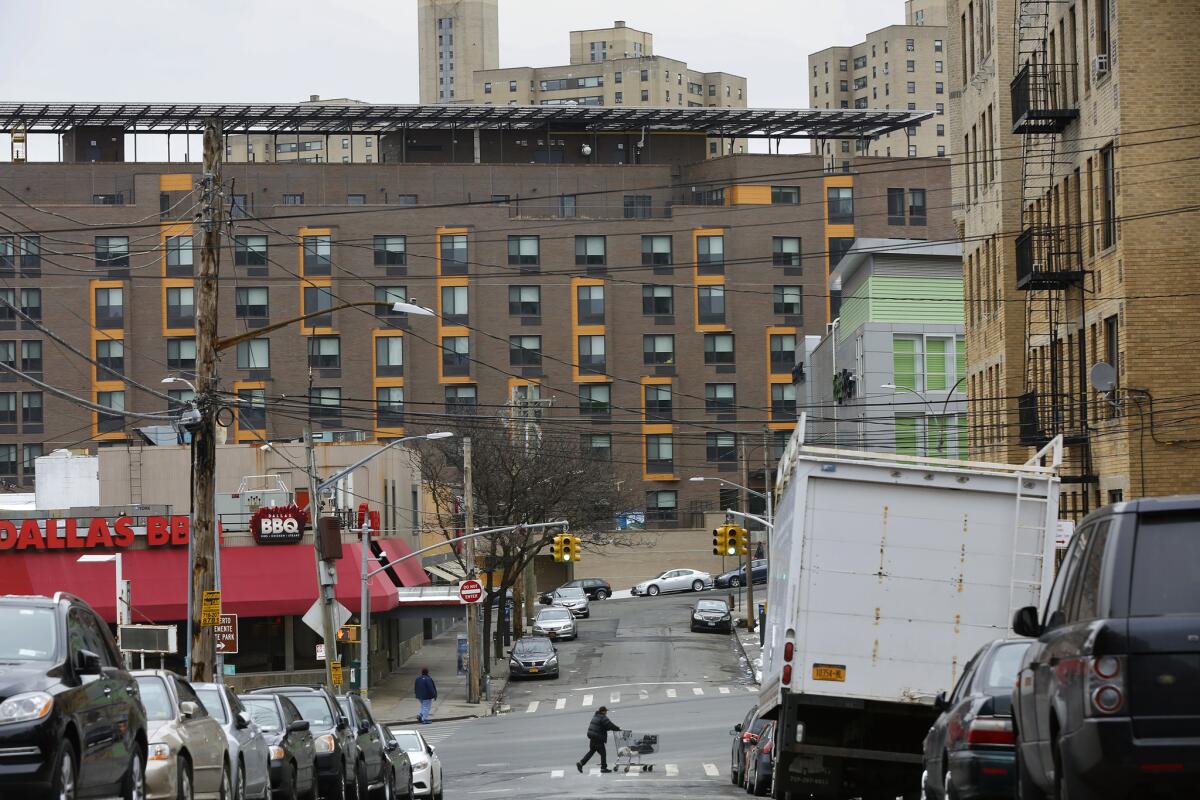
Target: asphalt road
<point x="638" y="657"/>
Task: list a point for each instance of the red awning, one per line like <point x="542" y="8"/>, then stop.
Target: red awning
<point x="259" y="581"/>
<point x="409" y="571"/>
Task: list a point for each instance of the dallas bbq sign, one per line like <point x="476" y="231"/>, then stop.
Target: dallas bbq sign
<point x="86" y="533"/>
<point x="278" y="524"/>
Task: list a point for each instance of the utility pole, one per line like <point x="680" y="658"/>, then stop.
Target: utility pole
<point x="204" y="437"/>
<point x="326" y="571"/>
<point x="750" y="616"/>
<point x="473" y="643"/>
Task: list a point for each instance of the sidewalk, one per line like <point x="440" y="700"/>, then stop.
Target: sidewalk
<point x="392" y="701"/>
<point x="751" y="652"/>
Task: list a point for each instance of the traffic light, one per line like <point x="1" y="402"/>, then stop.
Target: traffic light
<point x="724" y="541"/>
<point x="558" y="546"/>
<point x="741" y="538"/>
<point x="572" y="548"/>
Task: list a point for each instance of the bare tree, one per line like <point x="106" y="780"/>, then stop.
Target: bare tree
<point x="519" y="479"/>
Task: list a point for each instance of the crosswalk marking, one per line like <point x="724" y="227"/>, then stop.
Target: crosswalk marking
<point x="697" y="690"/>
<point x="560" y="704"/>
<point x="671" y="693"/>
<point x="587" y="700"/>
<point x="643" y="695"/>
<point x="594" y="771"/>
<point x="533" y="707"/>
<point x="672" y="770"/>
<point x="724" y="690"/>
<point x="711" y="770"/>
<point x="556" y="773"/>
<point x="614" y="697"/>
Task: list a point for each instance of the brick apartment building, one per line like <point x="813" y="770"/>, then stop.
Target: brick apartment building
<point x="656" y="306"/>
<point x="1071" y="184"/>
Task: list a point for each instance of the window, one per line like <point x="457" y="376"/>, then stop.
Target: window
<point x="487" y="87"/>
<point x="389" y="406"/>
<point x="110" y="308"/>
<point x="941" y="151"/>
<point x="8" y="353"/>
<point x="783" y="353"/>
<point x="386" y="298"/>
<point x="108" y="423"/>
<point x="590" y="304"/>
<point x="939" y="88"/>
<point x="938" y="66"/>
<point x="720" y="397"/>
<point x="916" y="206"/>
<point x="567" y="206"/>
<point x="658" y="349"/>
<point x="637" y="206"/>
<point x="844" y="85"/>
<point x="31" y="407"/>
<point x="840" y="204"/>
<point x="1108" y="211"/>
<point x="294" y="199"/>
<point x="1103" y="34"/>
<point x="318" y="300"/>
<point x="660" y="454"/>
<point x="718" y="348"/>
<point x="117" y="199"/>
<point x="325" y="401"/>
<point x="591" y="355"/>
<point x="317" y="255"/>
<point x="910" y="66"/>
<point x="895" y="199"/>
<point x="454" y="254"/>
<point x="357" y="199"/>
<point x="783" y="401"/>
<point x="181" y="354"/>
<point x="595" y="398"/>
<point x="454" y="305"/>
<point x="720" y="447"/>
<point x="788" y="300"/>
<point x="785" y="251"/>
<point x="910" y="45"/>
<point x="645" y="95"/>
<point x="911" y="87"/>
<point x="389" y="356"/>
<point x="252" y="409"/>
<point x="251" y="302"/>
<point x="525" y="301"/>
<point x="112" y="252"/>
<point x="785" y="195"/>
<point x="179" y="255"/>
<point x="406" y="199"/>
<point x="657" y="398"/>
<point x="590" y="250"/>
<point x="525" y="351"/>
<point x="512" y="86"/>
<point x="8" y="302"/>
<point x="597" y="446"/>
<point x="658" y="300"/>
<point x="912" y="151"/>
<point x="860" y="62"/>
<point x="456" y="355"/>
<point x="941" y="130"/>
<point x="325" y="352"/>
<point x="254" y="354"/>
<point x="250" y="251"/>
<point x="460" y="399"/>
<point x="661" y="506"/>
<point x="710" y="301"/>
<point x="940" y="108"/>
<point x="618" y="77"/>
<point x="181" y="309"/>
<point x="390" y="251"/>
<point x="618" y="97"/>
<point x="1112" y="347"/>
<point x="656" y="250"/>
<point x="31" y="356"/>
<point x="523" y="250"/>
<point x="28" y="248"/>
<point x="710" y="254"/>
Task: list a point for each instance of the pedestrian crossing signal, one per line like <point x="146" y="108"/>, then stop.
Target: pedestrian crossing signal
<point x="347" y="633"/>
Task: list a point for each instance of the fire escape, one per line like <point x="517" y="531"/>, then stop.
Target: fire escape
<point x="1049" y="251"/>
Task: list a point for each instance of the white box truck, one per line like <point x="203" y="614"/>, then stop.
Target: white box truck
<point x="887" y="573"/>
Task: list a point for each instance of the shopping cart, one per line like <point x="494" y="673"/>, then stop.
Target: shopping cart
<point x="631" y="747"/>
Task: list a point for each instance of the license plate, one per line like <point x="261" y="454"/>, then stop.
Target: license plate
<point x="534" y="669"/>
<point x="712" y="624"/>
<point x="551" y="634"/>
<point x="829" y="672"/>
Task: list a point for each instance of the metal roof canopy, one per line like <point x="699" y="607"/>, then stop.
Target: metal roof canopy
<point x="169" y="118"/>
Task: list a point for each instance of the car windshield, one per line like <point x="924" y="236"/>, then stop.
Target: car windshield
<point x="155" y="697"/>
<point x="570" y="592"/>
<point x="411" y="742"/>
<point x="314" y="708"/>
<point x="711" y="605"/>
<point x="1006" y="662"/>
<point x="264" y="713"/>
<point x="532" y="648"/>
<point x="211" y="698"/>
<point x="30" y="634"/>
<point x="553" y="614"/>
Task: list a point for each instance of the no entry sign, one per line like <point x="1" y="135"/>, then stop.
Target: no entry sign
<point x="470" y="591"/>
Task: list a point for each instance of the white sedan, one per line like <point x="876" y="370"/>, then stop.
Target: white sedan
<point x="674" y="580"/>
<point x="426" y="766"/>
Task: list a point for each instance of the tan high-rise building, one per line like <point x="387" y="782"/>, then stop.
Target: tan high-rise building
<point x="1071" y="199"/>
<point x="308" y="148"/>
<point x="900" y="66"/>
<point x="455" y="39"/>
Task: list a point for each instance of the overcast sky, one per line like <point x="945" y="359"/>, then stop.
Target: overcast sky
<point x="274" y="51"/>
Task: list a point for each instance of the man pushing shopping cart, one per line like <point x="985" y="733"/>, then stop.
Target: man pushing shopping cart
<point x="597" y="734"/>
<point x="630" y="746"/>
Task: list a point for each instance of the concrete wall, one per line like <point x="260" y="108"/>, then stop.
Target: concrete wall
<point x="645" y="554"/>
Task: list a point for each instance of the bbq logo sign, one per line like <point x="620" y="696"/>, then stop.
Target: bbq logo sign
<point x="88" y="533"/>
<point x="278" y="524"/>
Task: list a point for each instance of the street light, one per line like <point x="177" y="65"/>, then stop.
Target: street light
<point x="122" y="606"/>
<point x="945" y="406"/>
<point x="411" y="308"/>
<point x="177" y="379"/>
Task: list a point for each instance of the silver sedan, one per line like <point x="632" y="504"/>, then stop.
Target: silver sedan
<point x="248" y="751"/>
<point x="555" y="622"/>
<point x="674" y="580"/>
<point x="187" y="755"/>
<point x="426" y="766"/>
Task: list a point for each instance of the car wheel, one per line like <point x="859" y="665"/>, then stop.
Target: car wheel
<point x="697" y="585"/>
<point x="134" y="785"/>
<point x="184" y="780"/>
<point x="65" y="774"/>
<point x="1026" y="788"/>
<point x="226" y="784"/>
<point x="290" y="792"/>
<point x="411" y="791"/>
<point x="362" y="788"/>
<point x="239" y="791"/>
<point x="387" y="792"/>
<point x="734" y="777"/>
<point x="735" y="583"/>
<point x="652" y="590"/>
<point x="338" y="789"/>
<point x="948" y="790"/>
<point x="601" y="594"/>
<point x="1067" y="785"/>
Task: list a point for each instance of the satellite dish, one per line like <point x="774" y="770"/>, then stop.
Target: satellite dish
<point x="586" y="149"/>
<point x="1103" y="377"/>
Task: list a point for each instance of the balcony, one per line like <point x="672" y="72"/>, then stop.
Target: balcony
<point x="1044" y="97"/>
<point x="1049" y="258"/>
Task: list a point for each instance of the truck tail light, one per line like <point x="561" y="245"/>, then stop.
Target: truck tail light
<point x="1104" y="685"/>
<point x="789" y="650"/>
<point x="990" y="731"/>
<point x="787" y="673"/>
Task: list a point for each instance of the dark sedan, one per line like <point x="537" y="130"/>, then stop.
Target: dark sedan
<point x="289" y="742"/>
<point x="712" y="615"/>
<point x="595" y="588"/>
<point x="745" y="735"/>
<point x="969" y="750"/>
<point x="760" y="763"/>
<point x="533" y="657"/>
<point x="737" y="577"/>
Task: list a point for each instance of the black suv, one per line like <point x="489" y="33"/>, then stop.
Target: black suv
<point x="1105" y="703"/>
<point x="372" y="766"/>
<point x="594" y="588"/>
<point x="333" y="738"/>
<point x="71" y="721"/>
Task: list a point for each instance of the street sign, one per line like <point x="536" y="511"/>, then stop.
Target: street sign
<point x="227" y="634"/>
<point x="348" y="633"/>
<point x="470" y="591"/>
<point x="210" y="608"/>
<point x="336" y="668"/>
<point x="320" y="652"/>
<point x="312" y="617"/>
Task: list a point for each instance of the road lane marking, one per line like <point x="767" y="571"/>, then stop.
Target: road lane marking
<point x="623" y="685"/>
<point x="672" y="770"/>
<point x="614" y="697"/>
<point x="587" y="700"/>
<point x="533" y="707"/>
<point x="671" y="693"/>
<point x="643" y="695"/>
<point x="594" y="771"/>
<point x="711" y="770"/>
<point x="494" y="764"/>
<point x="556" y="773"/>
<point x="697" y="690"/>
<point x="560" y="704"/>
<point x="724" y="690"/>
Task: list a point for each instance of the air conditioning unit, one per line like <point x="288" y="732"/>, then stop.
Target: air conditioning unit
<point x="149" y="638"/>
<point x="1100" y="65"/>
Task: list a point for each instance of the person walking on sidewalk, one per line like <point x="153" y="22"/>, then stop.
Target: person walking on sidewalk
<point x="597" y="734"/>
<point x="425" y="690"/>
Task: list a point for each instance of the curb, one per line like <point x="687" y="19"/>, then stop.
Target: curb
<point x="399" y="722"/>
<point x="746" y="656"/>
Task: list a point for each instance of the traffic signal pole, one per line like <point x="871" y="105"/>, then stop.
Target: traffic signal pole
<point x="750" y="615"/>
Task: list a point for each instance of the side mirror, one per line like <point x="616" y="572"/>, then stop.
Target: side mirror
<point x="544" y="600"/>
<point x="342" y="723"/>
<point x="242" y="720"/>
<point x="940" y="703"/>
<point x="737" y="728"/>
<point x="392" y="746"/>
<point x="431" y="749"/>
<point x="187" y="709"/>
<point x="1025" y="622"/>
<point x="364" y="727"/>
<point x="87" y="663"/>
<point x="298" y="726"/>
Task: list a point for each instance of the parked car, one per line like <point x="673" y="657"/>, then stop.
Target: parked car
<point x="371" y="770"/>
<point x="572" y="598"/>
<point x="63" y="686"/>
<point x="248" y="754"/>
<point x="289" y="745"/>
<point x="333" y="739"/>
<point x="674" y="580"/>
<point x="555" y="622"/>
<point x="969" y="750"/>
<point x="533" y="656"/>
<point x="595" y="588"/>
<point x="426" y="766"/>
<point x="760" y="762"/>
<point x="399" y="767"/>
<point x="188" y="755"/>
<point x="737" y="577"/>
<point x="1105" y="703"/>
<point x="744" y="734"/>
<point x="712" y="615"/>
